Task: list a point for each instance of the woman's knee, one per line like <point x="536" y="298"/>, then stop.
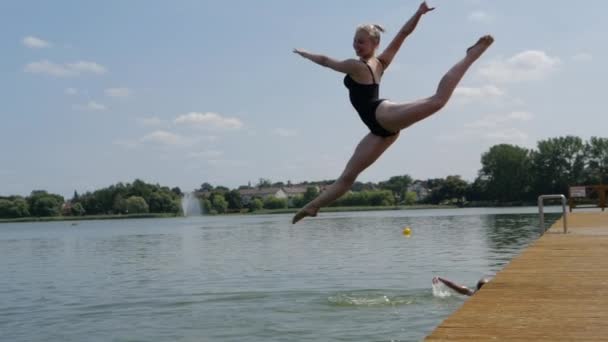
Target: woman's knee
<point x="438" y="101"/>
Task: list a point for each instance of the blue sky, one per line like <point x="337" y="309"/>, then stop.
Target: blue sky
<point x="185" y="92"/>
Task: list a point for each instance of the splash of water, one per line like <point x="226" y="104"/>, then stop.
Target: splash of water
<point x="191" y="205"/>
<point x="441" y="291"/>
<point x="369" y="299"/>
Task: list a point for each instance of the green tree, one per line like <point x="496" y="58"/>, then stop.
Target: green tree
<point x="596" y="151"/>
<point x="219" y="203"/>
<point x="78" y="210"/>
<point x="234" y="200"/>
<point x="506" y="169"/>
<point x="207" y="207"/>
<point x="311" y="193"/>
<point x="206" y="187"/>
<point x="477" y="191"/>
<point x="221" y="189"/>
<point x="435" y="194"/>
<point x="137" y="205"/>
<point x="297" y="201"/>
<point x="177" y="191"/>
<point x="398" y="185"/>
<point x="366" y="198"/>
<point x="272" y="202"/>
<point x="557" y="164"/>
<point x="410" y="198"/>
<point x="14" y="207"/>
<point x="454" y="189"/>
<point x="44" y="204"/>
<point x="120" y="205"/>
<point x="162" y="202"/>
<point x="256" y="204"/>
<point x="360" y="186"/>
<point x="141" y="189"/>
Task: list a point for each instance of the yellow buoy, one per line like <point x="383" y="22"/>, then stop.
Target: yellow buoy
<point x="407" y="231"/>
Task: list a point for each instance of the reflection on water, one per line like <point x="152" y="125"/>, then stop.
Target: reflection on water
<point x="341" y="276"/>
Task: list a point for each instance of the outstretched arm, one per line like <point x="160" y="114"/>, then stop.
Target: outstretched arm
<point x="386" y="57"/>
<point x="348" y="66"/>
<point x="463" y="290"/>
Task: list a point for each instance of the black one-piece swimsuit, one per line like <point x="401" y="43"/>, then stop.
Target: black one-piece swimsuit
<point x="365" y="99"/>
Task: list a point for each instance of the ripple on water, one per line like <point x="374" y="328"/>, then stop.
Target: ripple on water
<point x="369" y="298"/>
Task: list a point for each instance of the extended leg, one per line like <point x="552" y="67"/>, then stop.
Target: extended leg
<point x="395" y="117"/>
<point x="368" y="151"/>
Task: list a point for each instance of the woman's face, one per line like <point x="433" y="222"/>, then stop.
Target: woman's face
<point x="363" y="44"/>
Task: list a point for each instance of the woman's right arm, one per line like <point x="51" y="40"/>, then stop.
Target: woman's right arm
<point x="348" y="66"/>
<point x="463" y="290"/>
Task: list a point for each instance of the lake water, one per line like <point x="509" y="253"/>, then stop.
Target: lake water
<point x="337" y="277"/>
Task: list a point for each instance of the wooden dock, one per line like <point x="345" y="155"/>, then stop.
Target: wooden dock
<point x="555" y="290"/>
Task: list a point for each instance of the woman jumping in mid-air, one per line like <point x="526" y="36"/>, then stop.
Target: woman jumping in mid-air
<point x="383" y="118"/>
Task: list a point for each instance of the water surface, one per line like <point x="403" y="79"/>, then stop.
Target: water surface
<point x="338" y="277"/>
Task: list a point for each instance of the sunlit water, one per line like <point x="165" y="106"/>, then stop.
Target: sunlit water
<point x="338" y="277"/>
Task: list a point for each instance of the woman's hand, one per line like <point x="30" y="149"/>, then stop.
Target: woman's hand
<point x="424" y="8"/>
<point x="299" y="52"/>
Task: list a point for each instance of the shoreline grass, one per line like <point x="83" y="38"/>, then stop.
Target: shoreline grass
<point x="354" y="208"/>
<point x="85" y="218"/>
<point x="257" y="212"/>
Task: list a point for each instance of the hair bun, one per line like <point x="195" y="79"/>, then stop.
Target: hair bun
<point x="378" y="27"/>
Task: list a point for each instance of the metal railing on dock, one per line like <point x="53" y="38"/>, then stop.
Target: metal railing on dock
<point x="541" y="212"/>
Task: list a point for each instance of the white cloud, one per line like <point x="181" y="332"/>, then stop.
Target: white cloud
<point x="64" y="70"/>
<point x="480" y="17"/>
<point x="582" y="57"/>
<point x="503" y="135"/>
<point x="285" y="132"/>
<point x="209" y="120"/>
<point x="492" y="121"/>
<point x="163" y="138"/>
<point x="470" y="94"/>
<point x="227" y="162"/>
<point x="126" y="143"/>
<point x="520" y="116"/>
<point x="153" y="121"/>
<point x="209" y="154"/>
<point x="507" y="128"/>
<point x="510" y="135"/>
<point x="84" y="66"/>
<point x="530" y="65"/>
<point x="71" y="91"/>
<point x="118" y="92"/>
<point x="35" y="42"/>
<point x="91" y="106"/>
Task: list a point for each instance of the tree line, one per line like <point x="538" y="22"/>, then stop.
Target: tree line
<point x="509" y="175"/>
<point x="119" y="199"/>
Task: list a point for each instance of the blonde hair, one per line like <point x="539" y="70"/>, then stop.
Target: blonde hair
<point x="374" y="31"/>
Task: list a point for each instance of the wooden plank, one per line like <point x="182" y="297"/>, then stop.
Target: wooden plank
<point x="555" y="290"/>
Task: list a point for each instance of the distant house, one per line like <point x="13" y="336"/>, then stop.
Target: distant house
<point x="420" y="188"/>
<point x="293" y="191"/>
<point x="66" y="208"/>
<point x="248" y="194"/>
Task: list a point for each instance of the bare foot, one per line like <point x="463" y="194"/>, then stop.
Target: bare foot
<point x="302" y="213"/>
<point x="480" y="47"/>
